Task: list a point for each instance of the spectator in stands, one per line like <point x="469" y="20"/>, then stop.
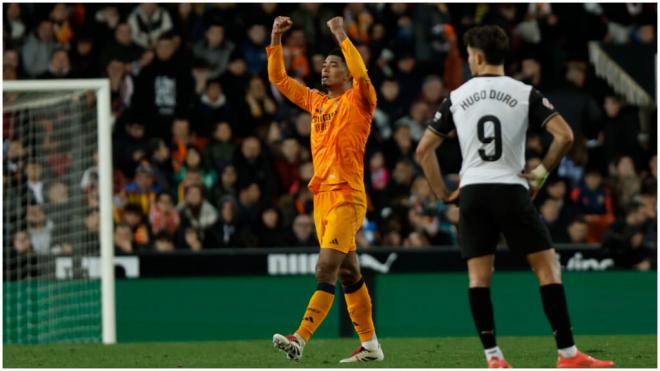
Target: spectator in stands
<point x="91" y="224"/>
<point x="14" y="159"/>
<point x="449" y="226"/>
<point x="163" y="89"/>
<point x="193" y="178"/>
<point x="624" y="240"/>
<point x="40" y="229"/>
<point x="302" y="129"/>
<point x="416" y="240"/>
<point x="249" y="204"/>
<point x="415" y="120"/>
<point x="530" y="72"/>
<point x="252" y="165"/>
<point x="391" y="105"/>
<point x="123" y="49"/>
<point x="61" y="208"/>
<point x="620" y="131"/>
<point x="422" y="212"/>
<point x="254" y="49"/>
<point x="149" y="21"/>
<point x="358" y="19"/>
<point x="20" y="261"/>
<point x="378" y="178"/>
<point x="188" y="23"/>
<point x="194" y="161"/>
<point x="38" y="49"/>
<point x="227" y="184"/>
<point x="577" y="231"/>
<point x="550" y="211"/>
<point x="163" y="243"/>
<point x="237" y="77"/>
<point x="576" y="105"/>
<point x="121" y="87"/>
<point x="220" y="151"/>
<point x="142" y="191"/>
<point x="14" y="26"/>
<point x="123" y="240"/>
<point x="229" y="231"/>
<point x="407" y="74"/>
<point x="287" y="165"/>
<point x="557" y="189"/>
<point x="270" y="232"/>
<point x="212" y="108"/>
<point x="106" y="21"/>
<point x="199" y="215"/>
<point x="594" y="201"/>
<point x="215" y="49"/>
<point x="625" y="183"/>
<point x="399" y="186"/>
<point x="256" y="111"/>
<point x="21" y="243"/>
<point x="432" y="94"/>
<point x="201" y="75"/>
<point x="133" y="217"/>
<point x="34" y="177"/>
<point x="302" y="232"/>
<point x="161" y="162"/>
<point x="133" y="143"/>
<point x="295" y="54"/>
<point x="163" y="216"/>
<point x="400" y="147"/>
<point x="10" y="65"/>
<point x="182" y="139"/>
<point x="62" y="29"/>
<point x="85" y="58"/>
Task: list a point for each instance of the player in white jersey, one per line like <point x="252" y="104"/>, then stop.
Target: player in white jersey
<point x="491" y="114"/>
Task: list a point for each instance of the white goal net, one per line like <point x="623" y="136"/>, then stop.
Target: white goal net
<point x="58" y="279"/>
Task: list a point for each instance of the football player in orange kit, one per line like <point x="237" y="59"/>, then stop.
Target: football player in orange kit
<point x="341" y="122"/>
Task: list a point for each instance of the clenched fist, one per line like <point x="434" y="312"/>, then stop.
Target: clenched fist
<point x="281" y="25"/>
<point x="336" y="24"/>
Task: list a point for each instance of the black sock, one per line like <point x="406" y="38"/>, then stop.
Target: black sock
<point x="556" y="309"/>
<point x="482" y="313"/>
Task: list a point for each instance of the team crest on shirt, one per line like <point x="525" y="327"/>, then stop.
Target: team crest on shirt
<point x="547" y="103"/>
<point x="437" y="116"/>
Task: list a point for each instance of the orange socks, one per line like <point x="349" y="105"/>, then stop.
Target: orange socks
<point x="318" y="307"/>
<point x="358" y="302"/>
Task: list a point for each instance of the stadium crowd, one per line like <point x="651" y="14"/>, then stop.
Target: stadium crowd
<point x="208" y="155"/>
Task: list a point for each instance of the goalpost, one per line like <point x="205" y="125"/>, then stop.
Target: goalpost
<point x="58" y="245"/>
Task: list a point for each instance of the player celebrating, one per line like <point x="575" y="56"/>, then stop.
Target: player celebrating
<point x="341" y="122"/>
<point x="491" y="114"/>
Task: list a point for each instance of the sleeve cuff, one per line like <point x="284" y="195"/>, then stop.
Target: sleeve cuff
<point x="548" y="118"/>
<point x="434" y="131"/>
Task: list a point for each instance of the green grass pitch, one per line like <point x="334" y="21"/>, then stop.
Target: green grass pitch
<point x="629" y="351"/>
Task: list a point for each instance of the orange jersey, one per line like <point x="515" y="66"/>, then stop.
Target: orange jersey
<point x="340" y="125"/>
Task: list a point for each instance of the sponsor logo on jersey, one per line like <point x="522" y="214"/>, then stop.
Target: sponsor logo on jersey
<point x="547" y="103"/>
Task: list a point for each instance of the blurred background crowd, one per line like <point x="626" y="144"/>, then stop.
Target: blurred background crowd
<point x="208" y="155"/>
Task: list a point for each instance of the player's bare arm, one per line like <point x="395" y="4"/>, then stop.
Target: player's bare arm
<point x="425" y="156"/>
<point x="562" y="140"/>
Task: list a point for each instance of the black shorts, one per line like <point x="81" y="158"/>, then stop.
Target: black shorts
<point x="486" y="210"/>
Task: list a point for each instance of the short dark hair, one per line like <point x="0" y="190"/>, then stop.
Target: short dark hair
<point x="337" y="52"/>
<point x="491" y="40"/>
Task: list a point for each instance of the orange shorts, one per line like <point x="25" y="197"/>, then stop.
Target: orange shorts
<point x="338" y="216"/>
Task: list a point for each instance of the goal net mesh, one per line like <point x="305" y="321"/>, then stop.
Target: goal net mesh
<point x="51" y="289"/>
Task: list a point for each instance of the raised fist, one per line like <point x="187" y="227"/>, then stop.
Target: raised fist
<point x="282" y="24"/>
<point x="336" y="24"/>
